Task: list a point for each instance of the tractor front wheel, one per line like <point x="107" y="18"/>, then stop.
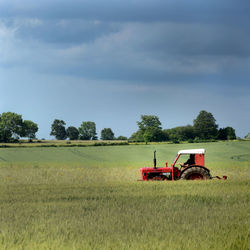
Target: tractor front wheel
<point x="195" y="173"/>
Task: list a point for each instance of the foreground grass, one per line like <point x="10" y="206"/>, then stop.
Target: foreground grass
<point x="152" y="215"/>
<point x="88" y="198"/>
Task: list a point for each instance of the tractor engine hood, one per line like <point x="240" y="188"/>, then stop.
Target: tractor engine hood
<point x="152" y="169"/>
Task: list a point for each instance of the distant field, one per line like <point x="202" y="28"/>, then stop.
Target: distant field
<point x="89" y="198"/>
<point x="61" y="143"/>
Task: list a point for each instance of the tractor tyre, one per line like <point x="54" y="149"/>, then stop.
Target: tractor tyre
<point x="195" y="173"/>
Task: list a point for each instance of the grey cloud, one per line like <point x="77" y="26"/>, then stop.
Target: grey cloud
<point x="165" y="37"/>
<point x="224" y="11"/>
<point x="118" y="40"/>
<point x="163" y="41"/>
<point x="66" y="31"/>
<point x="146" y="52"/>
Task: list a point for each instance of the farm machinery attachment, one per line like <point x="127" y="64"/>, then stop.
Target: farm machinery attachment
<point x="193" y="169"/>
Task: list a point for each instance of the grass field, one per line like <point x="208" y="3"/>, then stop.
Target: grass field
<point x="61" y="143"/>
<point x="89" y="198"/>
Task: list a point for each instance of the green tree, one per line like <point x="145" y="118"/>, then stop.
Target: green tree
<point x="230" y="133"/>
<point x="182" y="133"/>
<point x="107" y="134"/>
<point x="87" y="131"/>
<point x="222" y="134"/>
<point x="227" y="133"/>
<point x="137" y="136"/>
<point x="149" y="129"/>
<point x="122" y="138"/>
<point x="153" y="134"/>
<point x="29" y="129"/>
<point x="11" y="126"/>
<point x="58" y="129"/>
<point x="72" y="133"/>
<point x="149" y="121"/>
<point x="205" y="126"/>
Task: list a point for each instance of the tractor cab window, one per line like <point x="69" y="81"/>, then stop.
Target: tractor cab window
<point x="182" y="158"/>
<point x="191" y="160"/>
<point x="186" y="160"/>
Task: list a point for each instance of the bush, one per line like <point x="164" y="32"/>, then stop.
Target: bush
<point x="122" y="138"/>
<point x="137" y="137"/>
<point x="175" y="141"/>
<point x="197" y="140"/>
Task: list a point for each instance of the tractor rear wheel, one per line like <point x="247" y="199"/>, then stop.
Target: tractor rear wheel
<point x="196" y="173"/>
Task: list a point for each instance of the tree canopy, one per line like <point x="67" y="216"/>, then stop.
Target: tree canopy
<point x="87" y="131"/>
<point x="58" y="129"/>
<point x="121" y="138"/>
<point x="182" y="133"/>
<point x="153" y="134"/>
<point x="149" y="129"/>
<point x="12" y="127"/>
<point x="29" y="129"/>
<point x="227" y="133"/>
<point x="205" y="126"/>
<point x="72" y="133"/>
<point x="107" y="134"/>
<point x="149" y="121"/>
<point x="137" y="136"/>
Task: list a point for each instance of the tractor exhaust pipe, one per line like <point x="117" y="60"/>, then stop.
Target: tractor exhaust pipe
<point x="155" y="159"/>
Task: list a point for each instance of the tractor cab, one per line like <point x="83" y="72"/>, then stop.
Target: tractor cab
<point x="191" y="157"/>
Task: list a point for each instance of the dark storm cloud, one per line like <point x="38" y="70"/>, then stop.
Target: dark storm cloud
<point x="131" y="10"/>
<point x="160" y="41"/>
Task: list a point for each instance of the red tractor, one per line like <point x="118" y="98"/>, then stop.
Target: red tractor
<point x="193" y="169"/>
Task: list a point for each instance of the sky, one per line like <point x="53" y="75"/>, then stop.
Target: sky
<point x="112" y="61"/>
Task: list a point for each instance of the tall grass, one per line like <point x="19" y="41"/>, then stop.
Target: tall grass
<point x="88" y="198"/>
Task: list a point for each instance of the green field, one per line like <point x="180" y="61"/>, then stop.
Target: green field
<point x="89" y="198"/>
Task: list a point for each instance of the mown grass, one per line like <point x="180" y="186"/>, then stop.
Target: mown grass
<point x="88" y="198"/>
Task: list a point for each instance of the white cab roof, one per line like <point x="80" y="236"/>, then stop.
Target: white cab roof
<point x="192" y="151"/>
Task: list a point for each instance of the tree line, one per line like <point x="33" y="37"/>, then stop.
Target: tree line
<point x="204" y="128"/>
<point x="87" y="131"/>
